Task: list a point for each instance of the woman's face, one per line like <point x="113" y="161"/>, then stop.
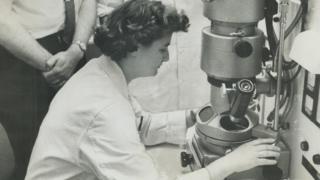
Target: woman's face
<point x="151" y="57"/>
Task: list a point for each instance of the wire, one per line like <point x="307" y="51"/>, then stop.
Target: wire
<point x="294" y="76"/>
<point x="272" y="37"/>
<point x="287" y="97"/>
<point x="289" y="65"/>
<point x="274" y="44"/>
<point x="284" y="98"/>
<point x="296" y="20"/>
<point x="290" y="79"/>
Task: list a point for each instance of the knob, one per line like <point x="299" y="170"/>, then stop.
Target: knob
<point x="266" y="54"/>
<point x="316" y="159"/>
<point x="243" y="49"/>
<point x="186" y="159"/>
<point x="276" y="19"/>
<point x="304" y="145"/>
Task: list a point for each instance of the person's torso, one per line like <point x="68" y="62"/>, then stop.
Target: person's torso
<point x="41" y="17"/>
<point x="70" y="114"/>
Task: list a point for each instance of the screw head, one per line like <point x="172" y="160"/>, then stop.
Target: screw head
<point x="316" y="159"/>
<point x="304" y="145"/>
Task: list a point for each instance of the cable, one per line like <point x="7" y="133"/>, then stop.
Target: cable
<point x="272" y="38"/>
<point x="287" y="98"/>
<point x="284" y="99"/>
<point x="294" y="76"/>
<point x="289" y="105"/>
<point x="296" y="20"/>
<point x="270" y="10"/>
<point x="289" y="65"/>
<point x="273" y="41"/>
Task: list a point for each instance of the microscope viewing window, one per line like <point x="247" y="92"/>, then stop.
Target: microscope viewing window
<point x="309" y="105"/>
<point x="311" y="81"/>
<point x="311" y="97"/>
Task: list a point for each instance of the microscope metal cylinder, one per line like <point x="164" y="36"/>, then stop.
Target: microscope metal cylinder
<point x="226" y="57"/>
<point x="234" y="11"/>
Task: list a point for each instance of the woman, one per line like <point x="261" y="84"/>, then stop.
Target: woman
<point x="94" y="130"/>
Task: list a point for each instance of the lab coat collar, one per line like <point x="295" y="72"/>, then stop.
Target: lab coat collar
<point x="116" y="75"/>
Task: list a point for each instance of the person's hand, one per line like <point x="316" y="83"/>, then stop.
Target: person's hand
<point x="62" y="66"/>
<point x="191" y="117"/>
<point x="255" y="153"/>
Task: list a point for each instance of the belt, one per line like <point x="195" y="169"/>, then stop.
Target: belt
<point x="57" y="36"/>
<point x="54" y="43"/>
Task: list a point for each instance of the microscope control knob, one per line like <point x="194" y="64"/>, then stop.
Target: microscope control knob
<point x="186" y="159"/>
<point x="316" y="159"/>
<point x="243" y="49"/>
<point x="304" y="145"/>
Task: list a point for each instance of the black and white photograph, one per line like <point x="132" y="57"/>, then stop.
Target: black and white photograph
<point x="159" y="89"/>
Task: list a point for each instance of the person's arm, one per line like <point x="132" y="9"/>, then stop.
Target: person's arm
<point x="111" y="149"/>
<point x="260" y="152"/>
<point x="18" y="41"/>
<point x="65" y="62"/>
<point x="86" y="21"/>
<point x="164" y="127"/>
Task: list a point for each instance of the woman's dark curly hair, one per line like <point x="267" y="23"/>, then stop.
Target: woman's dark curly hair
<point x="137" y="22"/>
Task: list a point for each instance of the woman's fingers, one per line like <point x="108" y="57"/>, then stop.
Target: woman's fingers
<point x="262" y="141"/>
<point x="267" y="147"/>
<point x="263" y="162"/>
<point x="267" y="154"/>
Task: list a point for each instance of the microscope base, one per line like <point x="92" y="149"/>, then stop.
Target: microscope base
<point x="201" y="157"/>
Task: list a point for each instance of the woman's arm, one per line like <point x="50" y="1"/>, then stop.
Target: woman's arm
<point x="259" y="152"/>
<point x="111" y="148"/>
<point x="164" y="127"/>
<point x="18" y="41"/>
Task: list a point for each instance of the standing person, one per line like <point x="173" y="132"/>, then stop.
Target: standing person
<point x="100" y="131"/>
<point x="41" y="43"/>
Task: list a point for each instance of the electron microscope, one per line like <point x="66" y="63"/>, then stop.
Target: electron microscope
<point x="247" y="67"/>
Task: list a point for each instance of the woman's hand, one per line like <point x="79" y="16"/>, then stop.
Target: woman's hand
<point x="255" y="153"/>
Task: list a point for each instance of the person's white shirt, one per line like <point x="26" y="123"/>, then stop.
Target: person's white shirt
<point x="42" y="17"/>
<point x="94" y="130"/>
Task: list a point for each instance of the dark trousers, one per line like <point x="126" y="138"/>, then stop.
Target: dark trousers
<point x="24" y="100"/>
<point x="6" y="155"/>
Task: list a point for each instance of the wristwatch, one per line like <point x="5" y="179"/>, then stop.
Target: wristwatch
<point x="81" y="45"/>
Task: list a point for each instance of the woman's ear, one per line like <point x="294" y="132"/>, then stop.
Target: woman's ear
<point x="134" y="53"/>
<point x="138" y="51"/>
